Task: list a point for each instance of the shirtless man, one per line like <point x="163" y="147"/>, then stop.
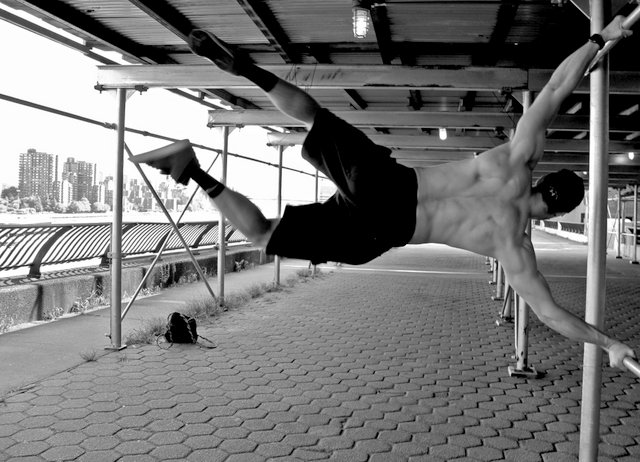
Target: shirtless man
<point x="482" y="205"/>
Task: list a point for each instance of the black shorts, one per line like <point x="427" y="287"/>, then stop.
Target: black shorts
<point x="373" y="210"/>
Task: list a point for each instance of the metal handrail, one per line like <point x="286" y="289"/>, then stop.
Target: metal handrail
<point x="632" y="365"/>
<point x="37" y="245"/>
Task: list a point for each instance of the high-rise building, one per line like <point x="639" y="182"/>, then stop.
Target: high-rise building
<point x="37" y="174"/>
<point x="81" y="175"/>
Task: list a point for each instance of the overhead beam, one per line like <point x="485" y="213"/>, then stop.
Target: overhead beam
<point x="166" y="14"/>
<point x="334" y="76"/>
<point x="264" y="19"/>
<point x="89" y="27"/>
<point x="380" y="21"/>
<point x="504" y="21"/>
<point x="456" y="142"/>
<point x="416" y="119"/>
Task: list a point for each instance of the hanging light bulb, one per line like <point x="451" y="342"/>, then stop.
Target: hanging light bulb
<point x="631" y="155"/>
<point x="360" y="19"/>
<point x="442" y="133"/>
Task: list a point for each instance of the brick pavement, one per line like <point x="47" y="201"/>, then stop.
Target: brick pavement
<point x="398" y="360"/>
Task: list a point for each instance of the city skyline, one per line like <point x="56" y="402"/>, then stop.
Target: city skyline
<point x="43" y="72"/>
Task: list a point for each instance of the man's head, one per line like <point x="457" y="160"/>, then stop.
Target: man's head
<point x="562" y="191"/>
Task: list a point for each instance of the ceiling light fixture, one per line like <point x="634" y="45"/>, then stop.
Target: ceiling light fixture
<point x="442" y="133"/>
<point x="631" y="155"/>
<point x="360" y="18"/>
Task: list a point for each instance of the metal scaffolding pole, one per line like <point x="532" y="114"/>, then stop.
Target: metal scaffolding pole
<point x="596" y="258"/>
<point x="115" y="334"/>
<point x="315" y="267"/>
<point x="222" y="227"/>
<point x="635" y="225"/>
<point x="620" y="224"/>
<point x="522" y="368"/>
<point x="279" y="205"/>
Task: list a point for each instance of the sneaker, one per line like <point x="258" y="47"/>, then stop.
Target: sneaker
<point x="226" y="57"/>
<point x="171" y="160"/>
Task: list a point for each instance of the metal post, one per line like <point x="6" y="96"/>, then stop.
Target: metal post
<point x="521" y="327"/>
<point x="314" y="271"/>
<point x="499" y="282"/>
<point x="635" y="225"/>
<point x="222" y="226"/>
<point x="279" y="205"/>
<point x="620" y="223"/>
<point x="596" y="253"/>
<point x="116" y="230"/>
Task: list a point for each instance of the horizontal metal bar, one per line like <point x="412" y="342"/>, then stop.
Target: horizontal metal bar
<point x="632" y="366"/>
<point x="335" y="76"/>
<point x="628" y="22"/>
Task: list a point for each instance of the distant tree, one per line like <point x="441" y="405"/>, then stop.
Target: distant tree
<point x="81" y="206"/>
<point x="100" y="207"/>
<point x="31" y="202"/>
<point x="10" y="193"/>
<point x="60" y="208"/>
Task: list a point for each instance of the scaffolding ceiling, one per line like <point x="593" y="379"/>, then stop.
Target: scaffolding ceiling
<point x="456" y="64"/>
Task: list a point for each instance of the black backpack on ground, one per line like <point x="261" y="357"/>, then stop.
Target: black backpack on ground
<point x="182" y="329"/>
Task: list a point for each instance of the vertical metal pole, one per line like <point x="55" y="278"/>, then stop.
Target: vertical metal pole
<point x="596" y="253"/>
<point x="620" y="222"/>
<point x="522" y="324"/>
<point x="316" y="198"/>
<point x="499" y="282"/>
<point x="116" y="229"/>
<point x="635" y="225"/>
<point x="222" y="227"/>
<point x="279" y="205"/>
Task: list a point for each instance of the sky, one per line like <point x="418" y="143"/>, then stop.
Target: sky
<point x="41" y="71"/>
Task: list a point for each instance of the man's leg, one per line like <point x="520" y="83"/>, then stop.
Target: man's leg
<point x="288" y="98"/>
<point x="179" y="160"/>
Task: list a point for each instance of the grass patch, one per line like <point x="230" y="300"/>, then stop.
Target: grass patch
<point x="89" y="355"/>
<point x="147" y="333"/>
<point x="205" y="309"/>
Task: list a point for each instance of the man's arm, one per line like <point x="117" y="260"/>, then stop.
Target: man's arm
<point x="527" y="144"/>
<point x="520" y="266"/>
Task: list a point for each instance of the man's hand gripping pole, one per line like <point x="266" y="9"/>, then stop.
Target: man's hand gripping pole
<point x="627" y="23"/>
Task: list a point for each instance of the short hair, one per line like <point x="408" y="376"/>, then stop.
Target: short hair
<point x="562" y="191"/>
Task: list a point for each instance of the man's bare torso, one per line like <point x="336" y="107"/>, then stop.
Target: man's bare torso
<point x="481" y="204"/>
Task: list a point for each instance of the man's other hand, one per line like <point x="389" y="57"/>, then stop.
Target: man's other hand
<point x="617" y="352"/>
<point x="614" y="30"/>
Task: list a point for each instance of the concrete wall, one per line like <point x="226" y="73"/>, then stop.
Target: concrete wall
<point x="37" y="300"/>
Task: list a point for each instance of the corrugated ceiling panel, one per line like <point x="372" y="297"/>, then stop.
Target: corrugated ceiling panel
<point x="434" y="22"/>
<point x="315" y="22"/>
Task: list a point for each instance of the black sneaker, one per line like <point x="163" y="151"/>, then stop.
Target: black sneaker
<point x="171" y="160"/>
<point x="226" y="57"/>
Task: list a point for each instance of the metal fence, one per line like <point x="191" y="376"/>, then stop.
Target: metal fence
<point x="35" y="246"/>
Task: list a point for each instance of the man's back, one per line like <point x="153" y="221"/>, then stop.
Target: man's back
<point x="480" y="204"/>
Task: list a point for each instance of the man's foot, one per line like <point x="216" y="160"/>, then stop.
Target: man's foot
<point x="227" y="58"/>
<point x="171" y="160"/>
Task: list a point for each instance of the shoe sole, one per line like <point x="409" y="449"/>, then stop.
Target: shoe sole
<point x="218" y="46"/>
<point x="178" y="147"/>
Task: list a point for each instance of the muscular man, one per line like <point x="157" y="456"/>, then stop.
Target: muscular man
<point x="481" y="205"/>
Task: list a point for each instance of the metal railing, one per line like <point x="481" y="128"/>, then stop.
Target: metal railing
<point x="35" y="246"/>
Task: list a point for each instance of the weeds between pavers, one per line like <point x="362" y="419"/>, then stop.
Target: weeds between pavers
<point x="204" y="309"/>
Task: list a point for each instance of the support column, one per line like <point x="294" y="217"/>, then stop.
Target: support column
<point x="222" y="228"/>
<point x="635" y="225"/>
<point x="620" y="224"/>
<point x="499" y="282"/>
<point x="522" y="368"/>
<point x="314" y="270"/>
<point x="596" y="258"/>
<point x="116" y="230"/>
<point x="279" y="205"/>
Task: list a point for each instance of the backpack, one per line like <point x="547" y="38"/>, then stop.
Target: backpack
<point x="182" y="329"/>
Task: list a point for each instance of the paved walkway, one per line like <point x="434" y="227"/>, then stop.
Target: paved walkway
<point x="400" y="359"/>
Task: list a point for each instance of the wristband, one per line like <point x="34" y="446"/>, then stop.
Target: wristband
<point x="598" y="40"/>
